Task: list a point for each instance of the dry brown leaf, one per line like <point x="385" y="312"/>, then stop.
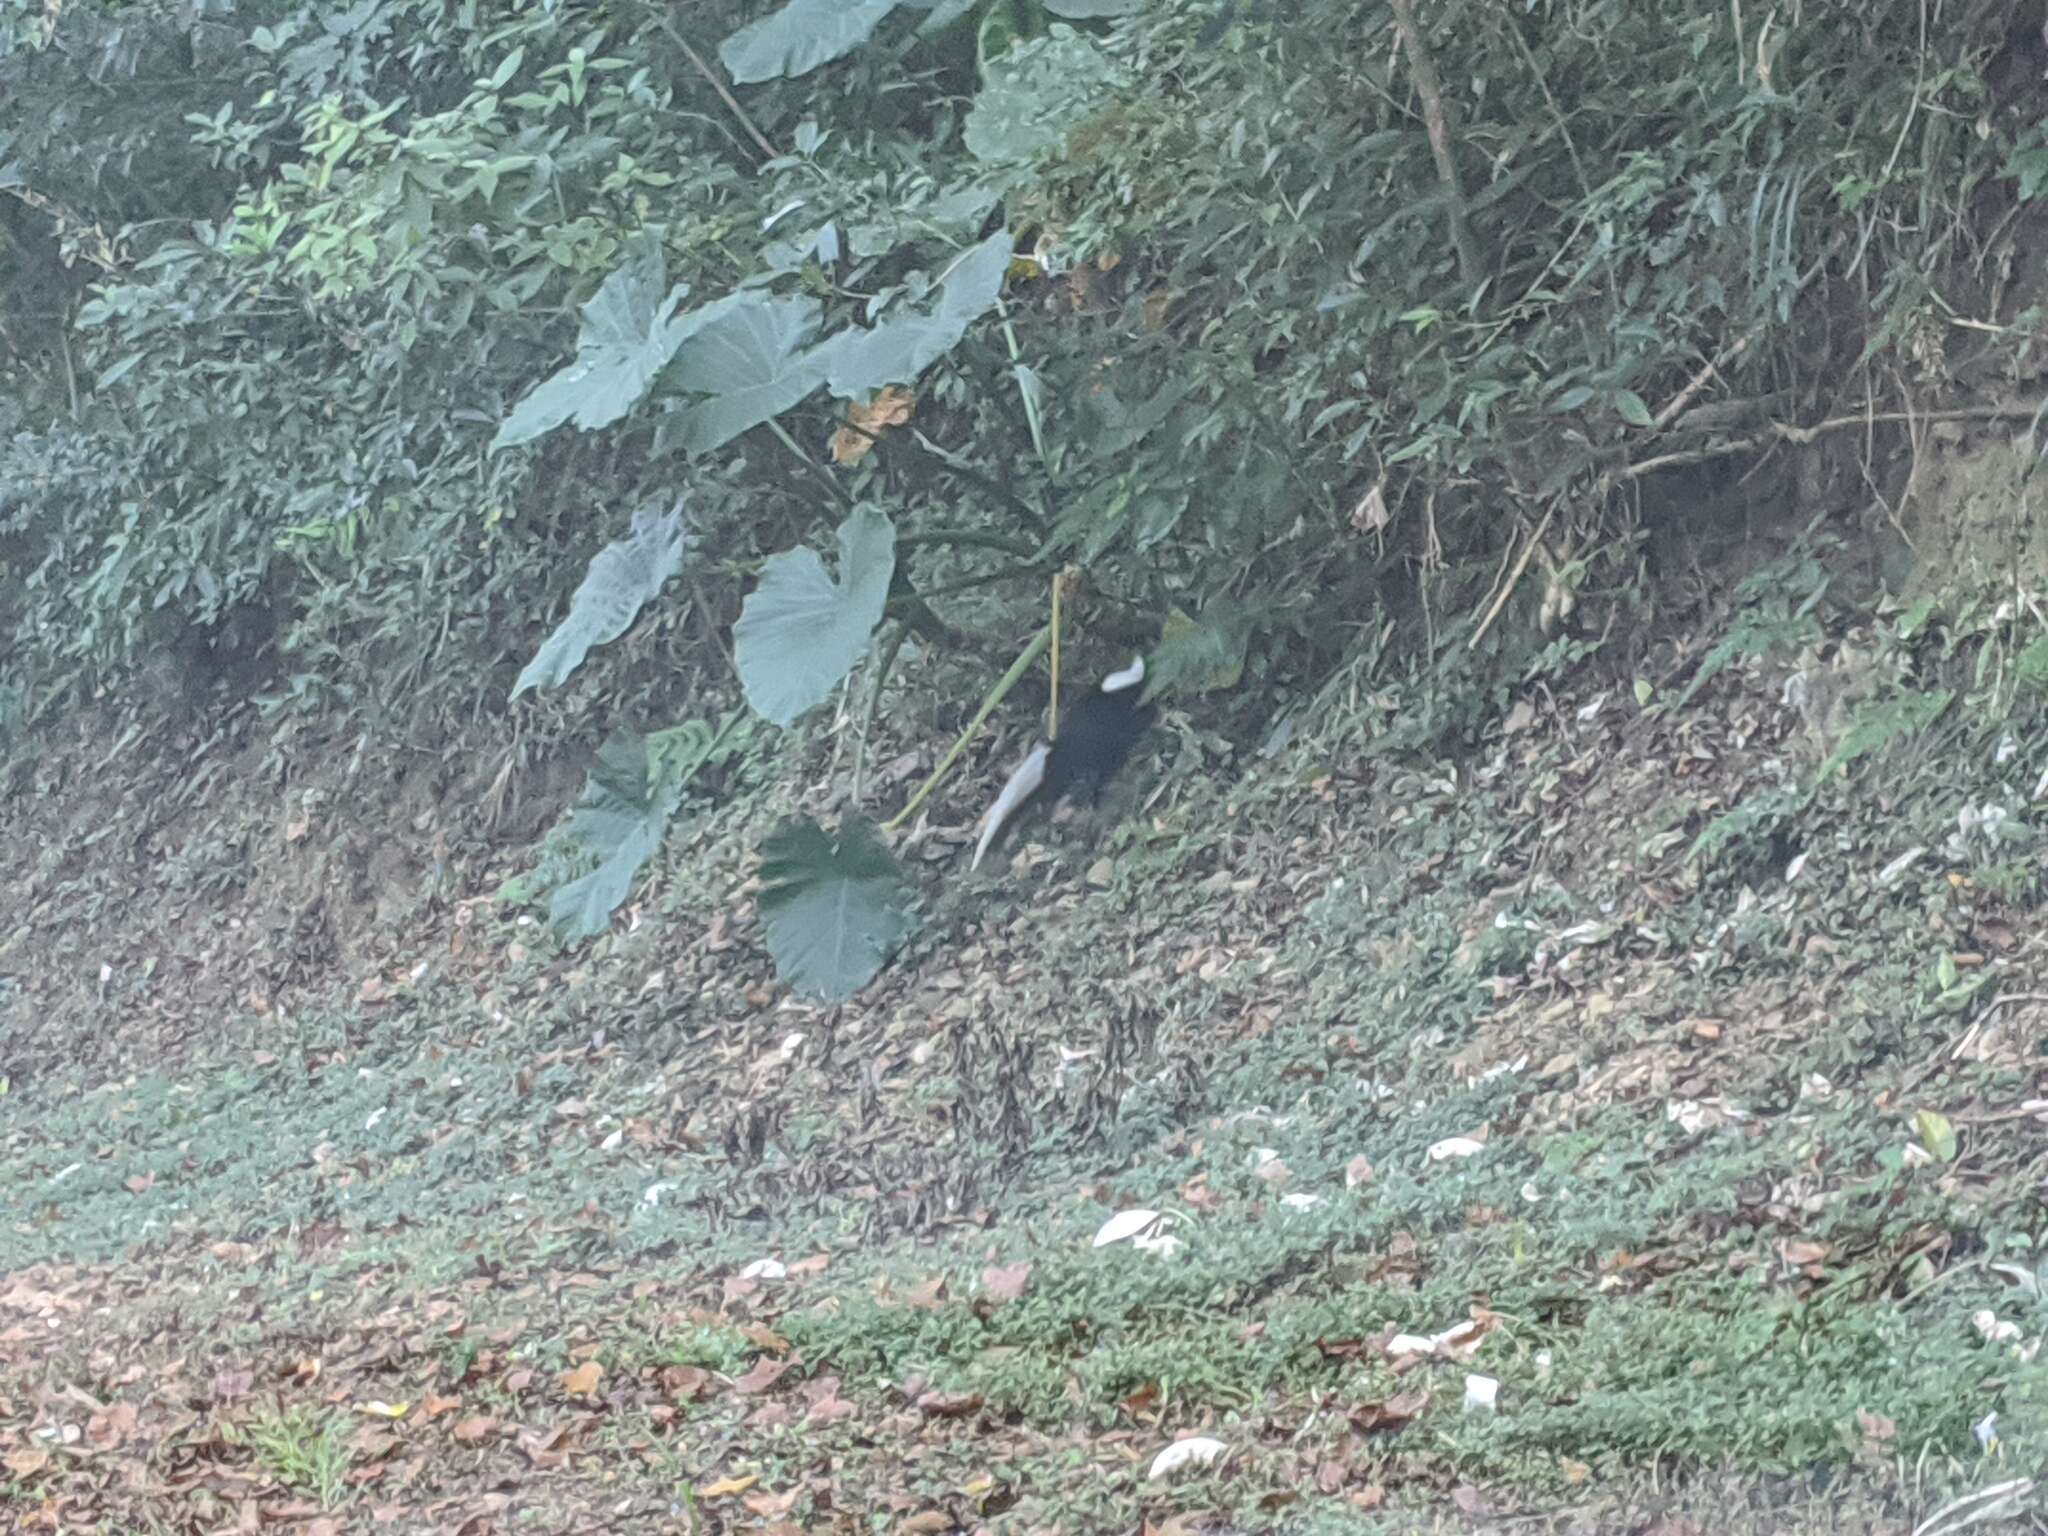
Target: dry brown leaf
<point x="113" y="1424"/>
<point x="1388" y="1413"/>
<point x="764" y="1375"/>
<point x="684" y="1383"/>
<point x="726" y="1487"/>
<point x="891" y="407"/>
<point x="1006" y="1282"/>
<point x="771" y="1506"/>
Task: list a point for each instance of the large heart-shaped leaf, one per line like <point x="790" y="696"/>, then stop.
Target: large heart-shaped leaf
<point x="833" y="907"/>
<point x="799" y="37"/>
<point x="629" y="334"/>
<point x="1035" y="94"/>
<point x="621" y="815"/>
<point x="857" y="362"/>
<point x="623" y="577"/>
<point x="624" y="811"/>
<point x="800" y="632"/>
<point x="745" y="352"/>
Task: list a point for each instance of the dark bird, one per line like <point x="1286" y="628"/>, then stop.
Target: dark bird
<point x="1095" y="740"/>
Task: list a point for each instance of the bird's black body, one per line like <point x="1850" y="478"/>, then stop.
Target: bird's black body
<point x="1095" y="741"/>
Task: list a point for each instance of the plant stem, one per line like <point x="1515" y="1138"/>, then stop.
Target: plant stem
<point x="1008" y="681"/>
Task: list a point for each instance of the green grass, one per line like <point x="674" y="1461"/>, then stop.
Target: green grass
<point x="303" y="1447"/>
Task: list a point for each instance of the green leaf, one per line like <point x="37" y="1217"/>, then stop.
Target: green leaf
<point x="799" y="37"/>
<point x="1093" y="10"/>
<point x="832" y="907"/>
<point x="857" y="362"/>
<point x="624" y="577"/>
<point x="799" y="632"/>
<point x="620" y="817"/>
<point x="1203" y="655"/>
<point x="1877" y="724"/>
<point x="1632" y="409"/>
<point x="628" y="337"/>
<point x="745" y="354"/>
<point x="624" y="811"/>
<point x="1034" y="94"/>
<point x="1936" y="1134"/>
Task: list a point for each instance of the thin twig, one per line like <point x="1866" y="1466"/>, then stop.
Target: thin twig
<point x="1514" y="578"/>
<point x="1788" y="432"/>
<point x="718" y="85"/>
<point x="883" y="665"/>
<point x="1721" y="360"/>
<point x="1052" y="707"/>
<point x="1018" y="668"/>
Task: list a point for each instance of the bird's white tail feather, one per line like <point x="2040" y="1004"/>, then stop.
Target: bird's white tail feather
<point x="1022" y="784"/>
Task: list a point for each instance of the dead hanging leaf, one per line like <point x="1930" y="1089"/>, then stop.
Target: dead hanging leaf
<point x="582" y="1382"/>
<point x="891" y="407"/>
<point x="1371" y="515"/>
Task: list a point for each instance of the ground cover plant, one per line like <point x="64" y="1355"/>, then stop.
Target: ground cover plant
<point x="504" y="512"/>
<point x="1505" y="1072"/>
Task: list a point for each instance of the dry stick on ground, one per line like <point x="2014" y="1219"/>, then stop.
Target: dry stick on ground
<point x="1514" y="578"/>
<point x="1788" y="432"/>
<point x="1437" y="119"/>
<point x="1712" y="368"/>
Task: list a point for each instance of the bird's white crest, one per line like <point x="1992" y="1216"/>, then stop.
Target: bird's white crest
<point x="1130" y="677"/>
<point x="1022" y="784"/>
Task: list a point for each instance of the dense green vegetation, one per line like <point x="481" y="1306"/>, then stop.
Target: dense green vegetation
<point x="339" y="343"/>
<point x="384" y="380"/>
<point x="282" y="282"/>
